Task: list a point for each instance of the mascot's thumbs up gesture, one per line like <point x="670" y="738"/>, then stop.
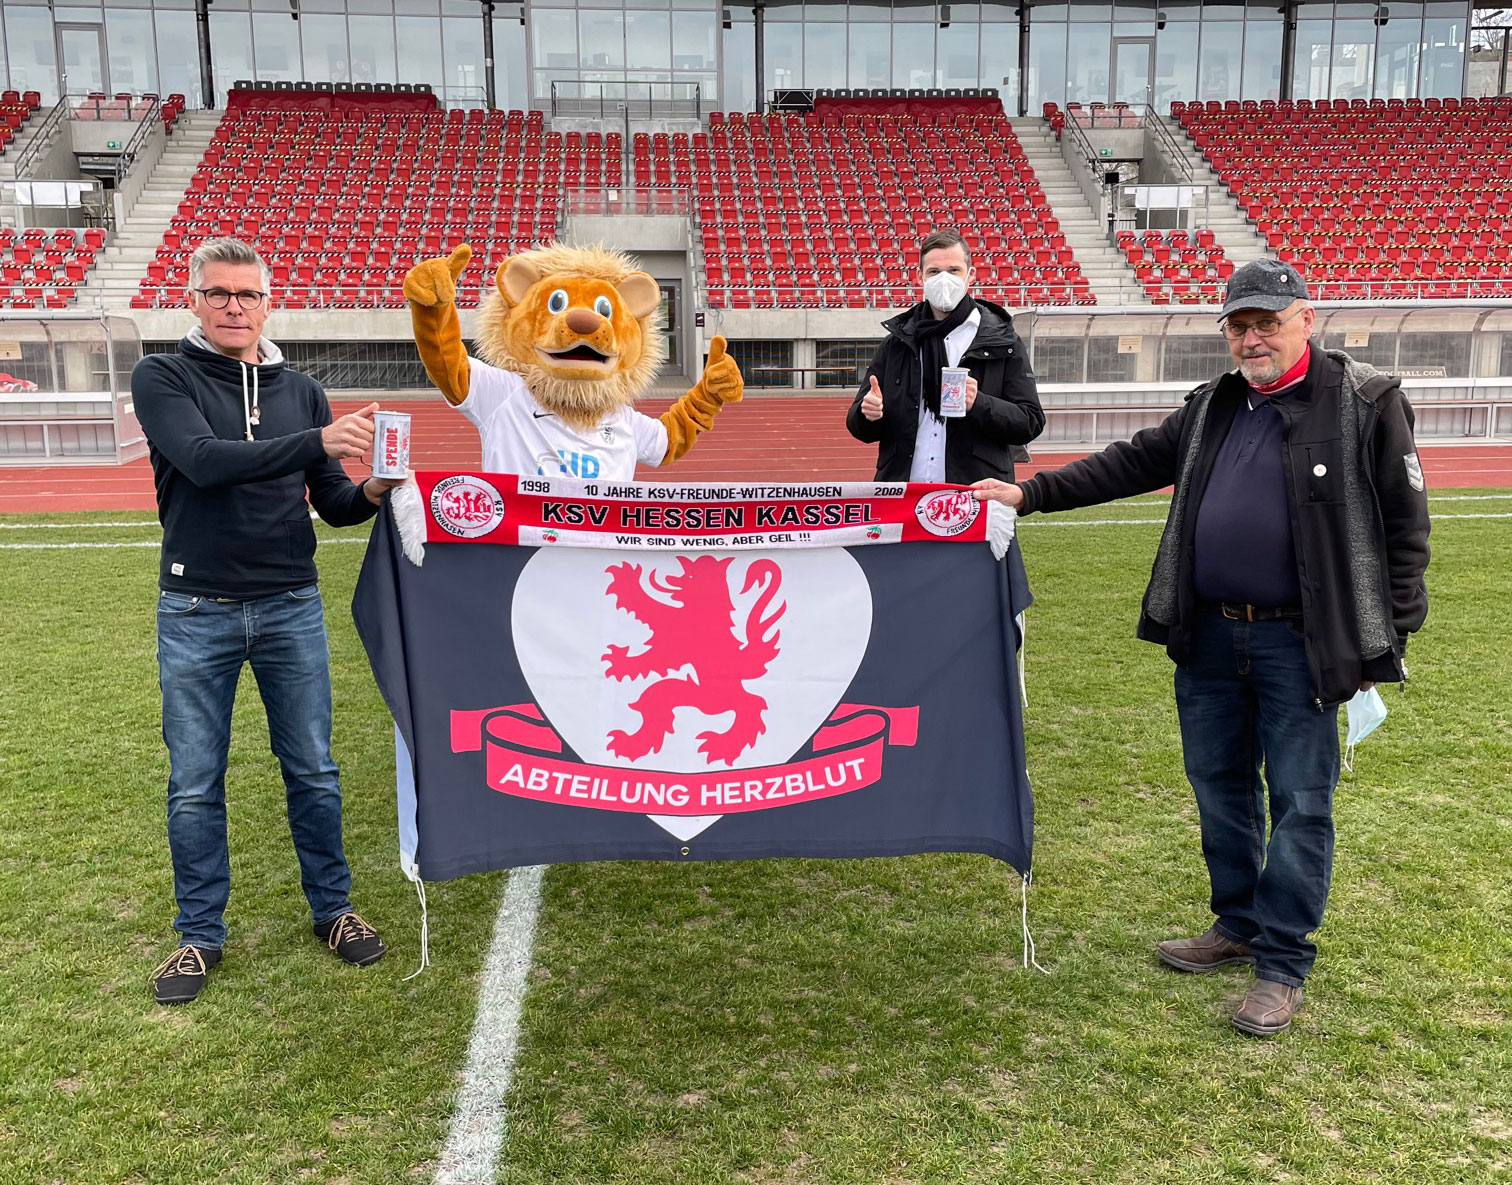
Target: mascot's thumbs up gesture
<point x="570" y="338"/>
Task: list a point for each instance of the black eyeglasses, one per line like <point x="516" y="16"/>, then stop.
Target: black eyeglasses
<point x="1265" y="326"/>
<point x="219" y="298"/>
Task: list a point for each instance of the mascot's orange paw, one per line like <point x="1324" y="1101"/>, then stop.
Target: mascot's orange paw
<point x="721" y="377"/>
<point x="433" y="282"/>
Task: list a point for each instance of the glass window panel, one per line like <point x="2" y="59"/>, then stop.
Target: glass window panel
<point x="1192" y="358"/>
<point x="554" y="32"/>
<point x="33" y="53"/>
<point x="1353" y="59"/>
<point x="601" y="39"/>
<point x="1102" y="13"/>
<point x="275" y="46"/>
<point x="823" y="12"/>
<point x="739" y="74"/>
<point x="693" y="39"/>
<point x="1047" y="65"/>
<point x="325" y="48"/>
<point x="133" y="56"/>
<point x="1005" y="13"/>
<point x="1175" y="64"/>
<point x="1443" y="56"/>
<point x="462" y="56"/>
<point x="1219" y="65"/>
<point x="372" y="48"/>
<point x="1310" y="66"/>
<point x="648" y="40"/>
<point x="784" y="55"/>
<point x="870" y="55"/>
<point x="913" y="55"/>
<point x="374" y="6"/>
<point x="956" y="51"/>
<point x="1262" y="59"/>
<point x="1087" y="64"/>
<point x="420" y="49"/>
<point x="824" y="54"/>
<point x="230" y="48"/>
<point x="417" y="7"/>
<point x="1000" y="66"/>
<point x="1449" y="350"/>
<point x="1398" y="47"/>
<point x="1059" y="359"/>
<point x="1487" y="47"/>
<point x="1131" y="70"/>
<point x="178" y="53"/>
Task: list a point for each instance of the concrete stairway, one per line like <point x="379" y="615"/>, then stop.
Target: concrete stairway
<point x="1102" y="263"/>
<point x="1233" y="232"/>
<point x="123" y="263"/>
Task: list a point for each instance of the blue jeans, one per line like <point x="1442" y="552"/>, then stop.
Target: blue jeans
<point x="202" y="645"/>
<point x="1245" y="703"/>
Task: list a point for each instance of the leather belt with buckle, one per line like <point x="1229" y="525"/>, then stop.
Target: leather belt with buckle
<point x="1236" y="612"/>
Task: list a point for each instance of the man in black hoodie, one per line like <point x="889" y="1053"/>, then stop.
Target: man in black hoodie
<point x="898" y="405"/>
<point x="1288" y="578"/>
<point x="237" y="438"/>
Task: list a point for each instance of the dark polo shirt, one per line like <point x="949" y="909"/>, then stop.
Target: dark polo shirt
<point x="1244" y="547"/>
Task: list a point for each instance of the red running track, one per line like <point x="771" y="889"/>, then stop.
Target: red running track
<point x="798" y="438"/>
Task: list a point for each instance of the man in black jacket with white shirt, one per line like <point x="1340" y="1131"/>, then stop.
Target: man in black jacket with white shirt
<point x="237" y="440"/>
<point x="898" y="405"/>
<point x="1288" y="578"/>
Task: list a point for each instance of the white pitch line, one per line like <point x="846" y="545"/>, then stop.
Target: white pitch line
<point x="146" y="522"/>
<point x="140" y="543"/>
<point x="478" y="1123"/>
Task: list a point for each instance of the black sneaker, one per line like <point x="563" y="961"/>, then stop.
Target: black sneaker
<point x="181" y="976"/>
<point x="353" y="940"/>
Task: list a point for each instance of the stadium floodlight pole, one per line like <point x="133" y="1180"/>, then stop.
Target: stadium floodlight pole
<point x="207" y="75"/>
<point x="488" y="53"/>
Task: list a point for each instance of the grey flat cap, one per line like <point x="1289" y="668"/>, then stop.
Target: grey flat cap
<point x="1263" y="284"/>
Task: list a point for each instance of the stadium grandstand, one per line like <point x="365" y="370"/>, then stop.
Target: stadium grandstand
<point x="774" y="165"/>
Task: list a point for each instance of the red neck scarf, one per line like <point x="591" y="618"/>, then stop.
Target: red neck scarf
<point x="1290" y="379"/>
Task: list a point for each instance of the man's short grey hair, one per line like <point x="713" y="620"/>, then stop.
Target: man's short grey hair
<point x="227" y="250"/>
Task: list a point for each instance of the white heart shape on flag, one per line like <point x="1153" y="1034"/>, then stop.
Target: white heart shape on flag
<point x="564" y="621"/>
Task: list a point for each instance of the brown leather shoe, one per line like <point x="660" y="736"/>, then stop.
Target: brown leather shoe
<point x="1268" y="1008"/>
<point x="1203" y="953"/>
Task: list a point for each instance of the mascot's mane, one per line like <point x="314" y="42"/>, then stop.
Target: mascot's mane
<point x="581" y="402"/>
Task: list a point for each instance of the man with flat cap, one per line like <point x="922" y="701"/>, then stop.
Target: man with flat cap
<point x="1288" y="577"/>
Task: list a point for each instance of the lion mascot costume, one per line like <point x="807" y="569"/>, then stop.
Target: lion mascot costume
<point x="569" y="338"/>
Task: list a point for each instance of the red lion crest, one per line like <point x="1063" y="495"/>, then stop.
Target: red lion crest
<point x="695" y="627"/>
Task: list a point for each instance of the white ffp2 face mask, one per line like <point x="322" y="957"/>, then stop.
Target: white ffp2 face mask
<point x="1365" y="712"/>
<point x="944" y="291"/>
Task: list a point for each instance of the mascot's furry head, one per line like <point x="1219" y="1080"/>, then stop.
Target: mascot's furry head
<point x="581" y="326"/>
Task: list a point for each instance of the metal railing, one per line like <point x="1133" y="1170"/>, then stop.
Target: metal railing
<point x="615" y="201"/>
<point x="629" y="100"/>
<point x="41" y="138"/>
<point x="149" y="120"/>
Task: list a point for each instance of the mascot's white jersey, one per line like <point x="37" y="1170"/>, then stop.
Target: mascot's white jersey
<point x="520" y="436"/>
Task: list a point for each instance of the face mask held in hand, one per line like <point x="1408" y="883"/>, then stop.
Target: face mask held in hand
<point x="944" y="291"/>
<point x="1365" y="711"/>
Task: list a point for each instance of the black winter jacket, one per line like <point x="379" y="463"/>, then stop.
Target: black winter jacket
<point x="1359" y="514"/>
<point x="1006" y="411"/>
<point x="235" y="521"/>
